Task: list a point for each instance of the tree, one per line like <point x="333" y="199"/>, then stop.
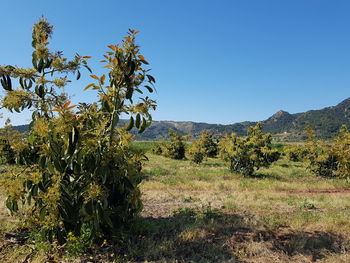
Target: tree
<point x="205" y="146"/>
<point x="174" y="149"/>
<point x="246" y="154"/>
<point x="84" y="174"/>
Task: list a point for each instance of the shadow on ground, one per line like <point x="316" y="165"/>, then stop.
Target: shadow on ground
<point x="212" y="236"/>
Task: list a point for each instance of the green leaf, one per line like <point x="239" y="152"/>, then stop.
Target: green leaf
<point x="149" y="88"/>
<point x="34" y="61"/>
<point x="115" y="121"/>
<point x="78" y="75"/>
<point x="3" y="84"/>
<point x="151" y="79"/>
<point x="132" y="66"/>
<point x="30" y="84"/>
<point x="88" y="68"/>
<point x="9" y="83"/>
<point x="39" y="90"/>
<point x="138" y="120"/>
<point x="43" y="212"/>
<point x="129" y="93"/>
<point x="34" y="190"/>
<point x="42" y="162"/>
<point x="143" y="125"/>
<point x="40" y="65"/>
<point x="131" y="124"/>
<point x="21" y="83"/>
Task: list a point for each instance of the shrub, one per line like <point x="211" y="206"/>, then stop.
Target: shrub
<point x="196" y="152"/>
<point x="175" y="148"/>
<point x="205" y="146"/>
<point x="246" y="154"/>
<point x="320" y="158"/>
<point x="296" y="153"/>
<point x="209" y="144"/>
<point x="84" y="175"/>
<point x="158" y="148"/>
<point x="341" y="151"/>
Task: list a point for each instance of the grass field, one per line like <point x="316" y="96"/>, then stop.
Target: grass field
<point x="203" y="213"/>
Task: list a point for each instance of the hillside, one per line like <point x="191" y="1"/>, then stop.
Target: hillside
<point x="284" y="125"/>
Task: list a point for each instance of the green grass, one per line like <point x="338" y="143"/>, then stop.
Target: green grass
<point x="145" y="146"/>
<point x="204" y="213"/>
<point x="284" y="200"/>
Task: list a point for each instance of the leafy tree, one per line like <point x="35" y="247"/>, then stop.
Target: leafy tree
<point x="319" y="158"/>
<point x="158" y="148"/>
<point x="175" y="149"/>
<point x="330" y="159"/>
<point x="296" y="153"/>
<point x="196" y="152"/>
<point x="341" y="150"/>
<point x="205" y="146"/>
<point x="84" y="175"/>
<point x="209" y="144"/>
<point x="246" y="154"/>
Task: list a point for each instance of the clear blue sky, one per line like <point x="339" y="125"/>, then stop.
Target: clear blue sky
<point x="219" y="61"/>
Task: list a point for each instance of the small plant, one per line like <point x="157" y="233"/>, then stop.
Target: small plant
<point x="308" y="205"/>
<point x="246" y="154"/>
<point x="74" y="246"/>
<point x="189" y="199"/>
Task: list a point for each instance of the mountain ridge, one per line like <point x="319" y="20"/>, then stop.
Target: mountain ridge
<point x="283" y="125"/>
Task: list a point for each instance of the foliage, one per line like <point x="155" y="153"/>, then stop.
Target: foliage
<point x="205" y="146"/>
<point x="7" y="138"/>
<point x="196" y="152"/>
<point x="158" y="148"/>
<point x="209" y="144"/>
<point x="329" y="159"/>
<point x="175" y="148"/>
<point x="296" y="153"/>
<point x="319" y="158"/>
<point x="245" y="154"/>
<point x="84" y="174"/>
<point x="341" y="151"/>
<point x="14" y="148"/>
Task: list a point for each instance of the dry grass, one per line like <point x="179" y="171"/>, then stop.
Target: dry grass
<point x="203" y="213"/>
<point x="306" y="216"/>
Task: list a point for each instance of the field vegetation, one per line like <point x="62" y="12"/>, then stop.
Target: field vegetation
<point x="204" y="213"/>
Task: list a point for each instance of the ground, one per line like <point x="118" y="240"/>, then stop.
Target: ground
<point x="204" y="213"/>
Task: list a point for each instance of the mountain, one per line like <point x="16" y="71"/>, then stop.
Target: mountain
<point x="283" y="125"/>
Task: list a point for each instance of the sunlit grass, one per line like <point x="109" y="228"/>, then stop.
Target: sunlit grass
<point x="204" y="213"/>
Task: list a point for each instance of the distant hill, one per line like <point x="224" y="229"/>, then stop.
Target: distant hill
<point x="283" y="125"/>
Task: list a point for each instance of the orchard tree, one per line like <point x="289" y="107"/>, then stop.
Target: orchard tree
<point x="205" y="146"/>
<point x="249" y="153"/>
<point x="81" y="173"/>
<point x="175" y="149"/>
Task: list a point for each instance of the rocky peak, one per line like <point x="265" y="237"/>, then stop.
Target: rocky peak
<point x="280" y="115"/>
